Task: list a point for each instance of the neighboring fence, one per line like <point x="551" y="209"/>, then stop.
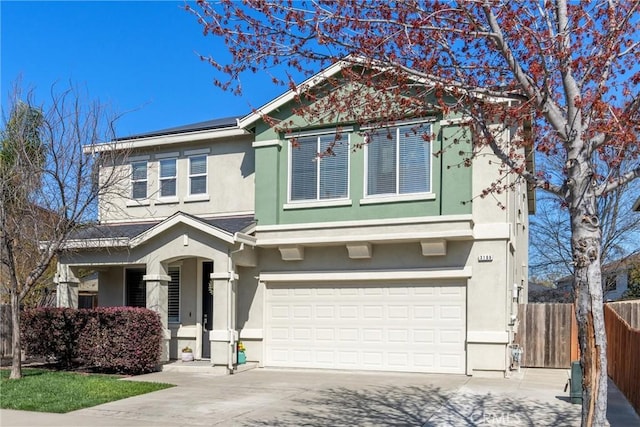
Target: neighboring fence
<point x="623" y="348"/>
<point x="629" y="311"/>
<point x="5" y="330"/>
<point x="548" y="335"/>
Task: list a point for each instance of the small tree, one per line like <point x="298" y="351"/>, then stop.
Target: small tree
<point x="49" y="187"/>
<point x="572" y="67"/>
<point x="550" y="233"/>
<point x="633" y="284"/>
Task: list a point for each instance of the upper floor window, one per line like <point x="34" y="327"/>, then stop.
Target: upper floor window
<point x="168" y="174"/>
<point x="399" y="160"/>
<point x="198" y="175"/>
<point x="319" y="178"/>
<point x="139" y="180"/>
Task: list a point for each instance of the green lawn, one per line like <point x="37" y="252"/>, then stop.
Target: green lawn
<point x="57" y="391"/>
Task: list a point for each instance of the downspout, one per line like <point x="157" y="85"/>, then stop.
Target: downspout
<point x="230" y="328"/>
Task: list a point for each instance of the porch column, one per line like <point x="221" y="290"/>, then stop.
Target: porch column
<point x="224" y="335"/>
<point x="158" y="301"/>
<point x="67" y="287"/>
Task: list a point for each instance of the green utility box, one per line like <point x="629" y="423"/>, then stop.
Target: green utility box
<point x="575" y="392"/>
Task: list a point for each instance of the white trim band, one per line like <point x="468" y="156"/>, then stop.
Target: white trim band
<point x="267" y="143"/>
<point x="379" y="275"/>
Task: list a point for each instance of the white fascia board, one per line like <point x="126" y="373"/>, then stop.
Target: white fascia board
<point x="244" y="238"/>
<point x="170" y="139"/>
<point x="368" y="275"/>
<point x="370" y="238"/>
<point x="368" y="223"/>
<point x="267" y="108"/>
<point x="180" y="219"/>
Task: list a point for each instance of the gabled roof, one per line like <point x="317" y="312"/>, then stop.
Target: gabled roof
<point x="350" y="60"/>
<point x="246" y="121"/>
<point x="131" y="235"/>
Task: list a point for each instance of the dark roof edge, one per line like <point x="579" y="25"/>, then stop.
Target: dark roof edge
<point x="225" y="122"/>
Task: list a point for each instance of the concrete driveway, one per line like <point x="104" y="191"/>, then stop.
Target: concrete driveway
<point x="270" y="397"/>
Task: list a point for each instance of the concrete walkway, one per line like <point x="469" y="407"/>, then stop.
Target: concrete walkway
<point x="271" y="397"/>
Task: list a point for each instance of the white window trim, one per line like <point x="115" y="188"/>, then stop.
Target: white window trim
<point x="197" y="152"/>
<point x="330" y="131"/>
<point x="197" y="198"/>
<point x="163" y="156"/>
<point x="134" y="159"/>
<point x="167" y="200"/>
<point x="192" y="196"/>
<point x="292" y="204"/>
<point x="388" y="198"/>
<point x="146" y="180"/>
<point x="317" y="204"/>
<point x="429" y="120"/>
<point x="161" y="198"/>
<point x="392" y="198"/>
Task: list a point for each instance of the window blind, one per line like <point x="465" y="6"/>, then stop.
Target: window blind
<point x="173" y="308"/>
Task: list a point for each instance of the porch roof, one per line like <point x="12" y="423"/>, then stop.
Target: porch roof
<point x="122" y="234"/>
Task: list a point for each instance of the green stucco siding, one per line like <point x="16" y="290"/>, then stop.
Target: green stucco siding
<point x="456" y="177"/>
<point x="450" y="182"/>
<point x="268" y="204"/>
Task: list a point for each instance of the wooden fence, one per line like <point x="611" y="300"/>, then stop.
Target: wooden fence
<point x="548" y="335"/>
<point x="629" y="311"/>
<point x="623" y="348"/>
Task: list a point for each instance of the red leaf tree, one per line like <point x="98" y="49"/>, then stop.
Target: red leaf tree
<point x="570" y="68"/>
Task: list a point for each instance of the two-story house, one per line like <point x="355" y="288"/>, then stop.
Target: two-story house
<point x="373" y="258"/>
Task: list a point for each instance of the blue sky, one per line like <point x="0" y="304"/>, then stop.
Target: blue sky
<point x="136" y="56"/>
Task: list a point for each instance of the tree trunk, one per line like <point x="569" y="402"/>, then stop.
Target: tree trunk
<point x="16" y="365"/>
<point x="586" y="244"/>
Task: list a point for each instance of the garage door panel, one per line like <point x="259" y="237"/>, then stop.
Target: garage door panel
<point x="408" y="328"/>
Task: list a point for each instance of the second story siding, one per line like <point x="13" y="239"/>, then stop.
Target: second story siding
<point x="371" y="174"/>
<point x="207" y="178"/>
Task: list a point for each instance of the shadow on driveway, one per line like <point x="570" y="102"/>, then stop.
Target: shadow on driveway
<point x="419" y="406"/>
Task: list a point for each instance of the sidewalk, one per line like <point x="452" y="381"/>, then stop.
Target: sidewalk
<point x="282" y="397"/>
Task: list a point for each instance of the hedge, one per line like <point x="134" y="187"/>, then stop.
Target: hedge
<point x="52" y="333"/>
<point x="116" y="339"/>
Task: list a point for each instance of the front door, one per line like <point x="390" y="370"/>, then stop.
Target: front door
<point x="207" y="308"/>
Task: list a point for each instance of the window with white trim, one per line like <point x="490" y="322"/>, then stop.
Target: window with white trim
<point x="399" y="160"/>
<point x="173" y="308"/>
<point x="313" y="178"/>
<point x="139" y="180"/>
<point x="198" y="174"/>
<point x="168" y="177"/>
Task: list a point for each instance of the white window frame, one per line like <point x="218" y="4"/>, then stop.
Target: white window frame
<point x="136" y="181"/>
<point x="318" y="202"/>
<point x="397" y="195"/>
<point x="175" y="319"/>
<point x="205" y="174"/>
<point x="166" y="178"/>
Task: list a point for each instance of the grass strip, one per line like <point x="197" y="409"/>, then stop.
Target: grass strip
<point x="58" y="391"/>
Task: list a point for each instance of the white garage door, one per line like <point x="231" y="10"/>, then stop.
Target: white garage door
<point x="409" y="328"/>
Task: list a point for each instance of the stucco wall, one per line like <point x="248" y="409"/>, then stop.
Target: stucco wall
<point x="230" y="182"/>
